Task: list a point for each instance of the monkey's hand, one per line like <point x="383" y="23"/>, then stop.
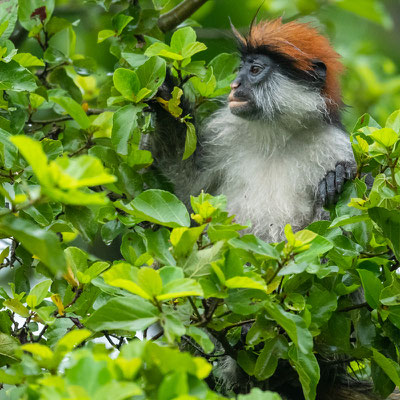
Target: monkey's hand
<point x="331" y="186"/>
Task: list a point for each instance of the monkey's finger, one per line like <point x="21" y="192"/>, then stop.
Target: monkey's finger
<point x="322" y="192"/>
<point x="330" y="187"/>
<point x="340" y="176"/>
<point x="351" y="170"/>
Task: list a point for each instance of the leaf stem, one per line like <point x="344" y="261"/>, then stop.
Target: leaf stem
<point x="195" y="309"/>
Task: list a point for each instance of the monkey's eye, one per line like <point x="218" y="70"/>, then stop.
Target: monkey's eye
<point x="255" y="69"/>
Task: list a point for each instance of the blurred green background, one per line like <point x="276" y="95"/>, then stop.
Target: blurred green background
<point x="365" y="32"/>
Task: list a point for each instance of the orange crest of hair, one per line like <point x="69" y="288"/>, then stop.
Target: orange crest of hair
<point x="304" y="45"/>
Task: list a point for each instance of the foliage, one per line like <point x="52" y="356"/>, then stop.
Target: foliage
<point x="72" y="170"/>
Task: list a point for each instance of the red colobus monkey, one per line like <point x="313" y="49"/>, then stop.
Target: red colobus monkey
<point x="277" y="149"/>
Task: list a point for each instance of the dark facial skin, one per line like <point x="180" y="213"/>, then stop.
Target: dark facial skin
<point x="254" y="70"/>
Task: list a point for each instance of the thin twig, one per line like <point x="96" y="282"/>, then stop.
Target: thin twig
<point x="76" y="297"/>
<point x="159" y="334"/>
<point x="91" y="111"/>
<point x="41" y="333"/>
<point x="353" y="307"/>
<point x="196" y="311"/>
<point x="107" y="336"/>
<point x="240" y="323"/>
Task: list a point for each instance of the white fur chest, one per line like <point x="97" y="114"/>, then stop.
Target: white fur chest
<point x="268" y="192"/>
<point x="271" y="177"/>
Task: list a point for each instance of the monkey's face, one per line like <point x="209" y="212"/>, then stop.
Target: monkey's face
<point x="253" y="72"/>
<point x="268" y="89"/>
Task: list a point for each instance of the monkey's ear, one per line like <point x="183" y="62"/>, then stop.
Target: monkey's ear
<point x="319" y="68"/>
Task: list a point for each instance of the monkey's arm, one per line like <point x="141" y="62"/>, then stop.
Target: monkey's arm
<point x="167" y="144"/>
<point x="331" y="186"/>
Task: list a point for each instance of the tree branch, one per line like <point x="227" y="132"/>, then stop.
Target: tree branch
<point x="178" y="14"/>
<point x="353" y="307"/>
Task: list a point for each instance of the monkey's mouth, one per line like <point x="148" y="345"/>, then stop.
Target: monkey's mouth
<point x="236" y="101"/>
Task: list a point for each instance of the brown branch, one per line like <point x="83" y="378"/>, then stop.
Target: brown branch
<point x="178" y="14"/>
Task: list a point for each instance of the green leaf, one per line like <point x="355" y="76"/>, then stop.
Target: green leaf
<point x="120" y="21"/>
<point x="76" y="259"/>
<point x="124" y="123"/>
<point x="307" y="368"/>
<point x="198" y="263"/>
<point x="73" y="109"/>
<point x="390" y="295"/>
<point x="386" y="136"/>
<point x="28" y="60"/>
<point x="93" y="271"/>
<point x="180" y="288"/>
<point x="190" y="140"/>
<point x="151" y="74"/>
<point x="318" y="247"/>
<point x="347" y="220"/>
<point x="258" y="394"/>
<point x="255" y="245"/>
<point x="27" y="7"/>
<point x="163" y="50"/>
<point x="245" y="282"/>
<point x="372" y="287"/>
<point x="170" y="273"/>
<point x="8" y="17"/>
<point x="127" y="313"/>
<point x="16" y="306"/>
<point x="158" y="206"/>
<point x="57" y="24"/>
<point x="127" y="83"/>
<point x="391" y="368"/>
<point x="323" y="303"/>
<point x="38" y="293"/>
<point x="182" y="38"/>
<point x="224" y="66"/>
<point x="201" y="338"/>
<point x="33" y="153"/>
<point x="72" y="339"/>
<point x="158" y="246"/>
<point x="294" y="326"/>
<point x="74" y="173"/>
<point x="150" y="281"/>
<point x="389" y="222"/>
<point x="124" y="276"/>
<point x="183" y="239"/>
<point x="8" y="345"/>
<point x="105" y="34"/>
<point x="10" y="152"/>
<point x="393" y="121"/>
<point x="193" y="48"/>
<point x="295" y="302"/>
<point x="44" y="244"/>
<point x="267" y="361"/>
<point x="15" y="77"/>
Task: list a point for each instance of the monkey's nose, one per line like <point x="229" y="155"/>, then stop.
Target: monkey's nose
<point x="235" y="85"/>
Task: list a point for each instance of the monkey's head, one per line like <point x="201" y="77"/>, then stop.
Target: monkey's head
<point x="287" y="70"/>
